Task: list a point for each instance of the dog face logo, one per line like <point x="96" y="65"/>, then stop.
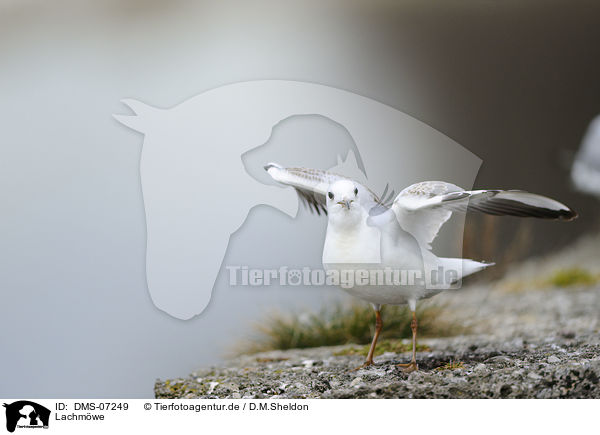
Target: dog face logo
<point x="198" y="190"/>
<point x="26" y="414"/>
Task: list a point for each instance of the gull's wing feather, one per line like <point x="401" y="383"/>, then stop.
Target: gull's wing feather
<point x="424" y="207"/>
<point x="312" y="184"/>
<point x="412" y="214"/>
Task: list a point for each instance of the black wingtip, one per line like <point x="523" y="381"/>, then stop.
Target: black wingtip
<point x="508" y="207"/>
<point x="271" y="165"/>
<point x="568" y="215"/>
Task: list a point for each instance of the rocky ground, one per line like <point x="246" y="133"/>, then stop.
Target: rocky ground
<point x="528" y="339"/>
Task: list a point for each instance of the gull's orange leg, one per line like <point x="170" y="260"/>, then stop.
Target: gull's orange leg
<point x="412" y="365"/>
<point x="378" y="328"/>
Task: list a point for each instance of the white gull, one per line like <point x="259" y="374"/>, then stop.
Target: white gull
<point x="364" y="233"/>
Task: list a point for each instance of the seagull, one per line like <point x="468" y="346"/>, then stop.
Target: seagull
<point x="375" y="233"/>
<point x="585" y="172"/>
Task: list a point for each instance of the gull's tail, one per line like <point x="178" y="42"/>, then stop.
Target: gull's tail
<point x="464" y="266"/>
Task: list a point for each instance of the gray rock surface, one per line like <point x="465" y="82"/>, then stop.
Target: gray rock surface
<point x="561" y="366"/>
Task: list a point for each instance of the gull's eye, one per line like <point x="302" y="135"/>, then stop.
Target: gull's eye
<point x="330" y="195"/>
<point x="355" y="191"/>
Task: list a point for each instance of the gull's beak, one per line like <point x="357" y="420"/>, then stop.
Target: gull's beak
<point x="345" y="203"/>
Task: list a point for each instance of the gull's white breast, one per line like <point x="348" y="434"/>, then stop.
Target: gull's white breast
<point x="348" y="251"/>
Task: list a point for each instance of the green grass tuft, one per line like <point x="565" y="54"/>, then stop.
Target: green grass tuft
<point x="573" y="277"/>
<point x="342" y="324"/>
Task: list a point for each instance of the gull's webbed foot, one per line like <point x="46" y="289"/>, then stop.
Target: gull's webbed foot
<point x="409" y="367"/>
<point x="366" y="364"/>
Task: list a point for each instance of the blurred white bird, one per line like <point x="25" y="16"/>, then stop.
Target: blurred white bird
<point x="366" y="234"/>
<point x="585" y="172"/>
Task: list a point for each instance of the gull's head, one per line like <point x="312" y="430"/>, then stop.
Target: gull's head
<point x="343" y="193"/>
<point x="343" y="201"/>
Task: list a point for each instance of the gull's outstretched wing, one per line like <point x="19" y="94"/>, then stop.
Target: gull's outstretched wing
<point x="312" y="184"/>
<point x="421" y="209"/>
